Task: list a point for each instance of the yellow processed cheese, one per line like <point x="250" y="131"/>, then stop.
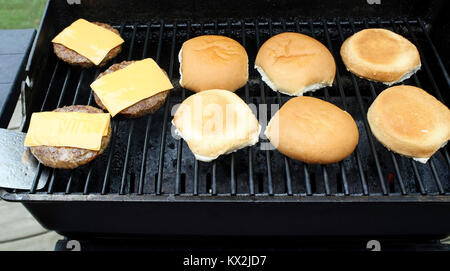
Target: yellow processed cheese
<point x="89" y="40"/>
<point x="125" y="87"/>
<point x="67" y="129"/>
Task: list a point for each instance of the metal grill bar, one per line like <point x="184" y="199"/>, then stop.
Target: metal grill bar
<point x="50" y="85"/>
<point x="232" y="158"/>
<point x="180" y="141"/>
<point x="393" y="157"/>
<point x="214" y="163"/>
<point x="195" y="192"/>
<point x="307" y="180"/>
<point x="287" y="169"/>
<point x="127" y="158"/>
<point x="415" y="169"/>
<point x="419" y="182"/>
<point x="149" y="118"/>
<point x="224" y="24"/>
<point x="313" y="184"/>
<point x="88" y="180"/>
<point x="63" y="91"/>
<point x="364" y="118"/>
<point x="75" y="97"/>
<point x="251" y="183"/>
<point x="77" y="90"/>
<point x="214" y="179"/>
<point x="232" y="175"/>
<point x="436" y="54"/>
<point x="263" y="101"/>
<point x="196" y="162"/>
<point x="447" y="157"/>
<point x="111" y="148"/>
<point x="131" y="130"/>
<point x="91" y="165"/>
<point x="416" y="79"/>
<point x="436" y="177"/>
<point x="305" y="166"/>
<point x="425" y="63"/>
<point x="327" y="98"/>
<point x="142" y="171"/>
<point x="166" y="113"/>
<point x="344" y="102"/>
<point x="428" y="71"/>
<point x="431" y="162"/>
<point x="110" y="154"/>
<point x="40" y="166"/>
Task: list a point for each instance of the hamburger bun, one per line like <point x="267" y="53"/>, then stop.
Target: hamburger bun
<point x="409" y="121"/>
<point x="141" y="108"/>
<point x="213" y="62"/>
<point x="293" y="64"/>
<point x="215" y="122"/>
<point x="380" y="55"/>
<point x="69" y="157"/>
<point x="313" y="131"/>
<point x="73" y="58"/>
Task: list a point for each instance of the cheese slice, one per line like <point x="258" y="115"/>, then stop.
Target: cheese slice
<point x="67" y="129"/>
<point x="125" y="87"/>
<point x="89" y="40"/>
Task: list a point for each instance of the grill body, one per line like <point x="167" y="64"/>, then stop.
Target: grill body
<point x="148" y="183"/>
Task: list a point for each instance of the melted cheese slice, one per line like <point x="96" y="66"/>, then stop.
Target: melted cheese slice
<point x="89" y="40"/>
<point x="67" y="129"/>
<point x="125" y="87"/>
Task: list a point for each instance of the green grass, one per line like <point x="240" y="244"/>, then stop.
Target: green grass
<point x="21" y="13"/>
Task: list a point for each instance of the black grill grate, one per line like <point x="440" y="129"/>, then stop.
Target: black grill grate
<point x="144" y="159"/>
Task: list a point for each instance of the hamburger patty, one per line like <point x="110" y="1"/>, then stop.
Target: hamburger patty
<point x="141" y="108"/>
<point x="74" y="58"/>
<point x="69" y="157"/>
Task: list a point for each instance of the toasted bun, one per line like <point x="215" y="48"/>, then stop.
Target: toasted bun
<point x="313" y="131"/>
<point x="213" y="62"/>
<point x="409" y="121"/>
<point x="216" y="122"/>
<point x="380" y="55"/>
<point x="293" y="64"/>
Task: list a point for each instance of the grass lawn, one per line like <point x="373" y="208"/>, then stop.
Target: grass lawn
<point x="21" y="13"/>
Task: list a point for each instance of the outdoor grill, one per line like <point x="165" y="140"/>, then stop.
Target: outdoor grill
<point x="149" y="184"/>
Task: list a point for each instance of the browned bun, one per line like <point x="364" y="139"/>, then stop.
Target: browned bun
<point x="380" y="55"/>
<point x="69" y="157"/>
<point x="313" y="131"/>
<point x="293" y="64"/>
<point x="141" y="108"/>
<point x="409" y="121"/>
<point x="74" y="58"/>
<point x="213" y="62"/>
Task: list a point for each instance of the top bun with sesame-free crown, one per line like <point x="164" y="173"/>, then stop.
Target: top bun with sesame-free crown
<point x="213" y="62"/>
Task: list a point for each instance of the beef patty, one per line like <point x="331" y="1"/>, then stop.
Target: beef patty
<point x="144" y="107"/>
<point x="69" y="157"/>
<point x="74" y="58"/>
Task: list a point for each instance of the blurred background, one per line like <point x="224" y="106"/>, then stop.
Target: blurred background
<point x="19" y="230"/>
<point x="21" y="13"/>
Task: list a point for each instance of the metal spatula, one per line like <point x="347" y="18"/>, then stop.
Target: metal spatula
<point x="18" y="167"/>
